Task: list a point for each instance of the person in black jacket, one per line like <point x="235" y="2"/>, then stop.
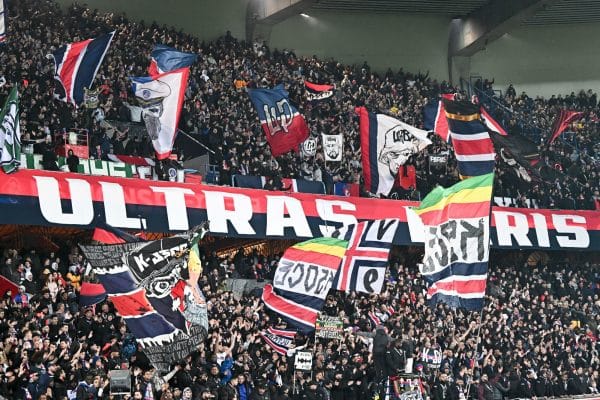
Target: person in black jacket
<point x="543" y="386"/>
<point x="395" y="359"/>
<point x="381" y="341"/>
<point x="441" y="388"/>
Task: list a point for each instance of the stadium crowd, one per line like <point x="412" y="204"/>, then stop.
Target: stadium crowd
<point x="218" y="113"/>
<point x="538" y="336"/>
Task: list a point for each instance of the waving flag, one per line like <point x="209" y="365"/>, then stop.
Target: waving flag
<point x="2" y="22"/>
<point x="107" y="234"/>
<point x="457" y="241"/>
<point x="281" y="122"/>
<point x="146" y="281"/>
<point x="167" y="59"/>
<point x="491" y="123"/>
<point x="564" y="119"/>
<point x="6" y="285"/>
<point x="161" y="98"/>
<point x="473" y="147"/>
<point x="278" y="339"/>
<point x="434" y="119"/>
<point x="10" y="134"/>
<point x="91" y="293"/>
<point x="366" y="257"/>
<point x="386" y="144"/>
<point x="303" y="277"/>
<point x="317" y="92"/>
<point x="76" y="65"/>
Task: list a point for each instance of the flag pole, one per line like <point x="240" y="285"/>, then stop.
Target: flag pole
<point x="480" y="323"/>
<point x="195" y="141"/>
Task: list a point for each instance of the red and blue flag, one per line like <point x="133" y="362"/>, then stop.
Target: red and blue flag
<point x="166" y="59"/>
<point x="284" y="127"/>
<point x="473" y="148"/>
<point x="76" y="65"/>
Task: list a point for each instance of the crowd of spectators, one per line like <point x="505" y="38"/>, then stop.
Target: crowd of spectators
<point x="218" y="113"/>
<point x="537" y="336"/>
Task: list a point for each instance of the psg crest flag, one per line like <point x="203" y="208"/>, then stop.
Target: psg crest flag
<point x="166" y="59"/>
<point x="281" y="122"/>
<point x="153" y="286"/>
<point x="386" y="144"/>
<point x="76" y="65"/>
<point x="161" y="98"/>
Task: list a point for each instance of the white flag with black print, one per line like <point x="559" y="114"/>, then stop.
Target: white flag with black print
<point x="333" y="147"/>
<point x="10" y="134"/>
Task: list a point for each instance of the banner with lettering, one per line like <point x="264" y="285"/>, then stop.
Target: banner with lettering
<point x="31" y="197"/>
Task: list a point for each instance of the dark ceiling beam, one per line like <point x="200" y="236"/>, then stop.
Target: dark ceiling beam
<point x="472" y="33"/>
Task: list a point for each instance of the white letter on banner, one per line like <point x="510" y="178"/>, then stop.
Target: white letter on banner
<point x="176" y="210"/>
<point x="117" y="169"/>
<point x="582" y="238"/>
<point x="504" y="230"/>
<point x="415" y="226"/>
<point x="541" y="229"/>
<point x="239" y="217"/>
<point x="114" y="207"/>
<point x="98" y="167"/>
<point x="325" y="212"/>
<point x="50" y="205"/>
<point x="276" y="220"/>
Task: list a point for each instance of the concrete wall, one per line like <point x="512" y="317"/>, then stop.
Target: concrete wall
<point x="205" y="19"/>
<point x="413" y="42"/>
<point x="543" y="60"/>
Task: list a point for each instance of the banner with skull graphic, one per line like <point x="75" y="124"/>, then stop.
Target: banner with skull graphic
<point x="161" y="98"/>
<point x="386" y="144"/>
<point x="150" y="285"/>
<point x="333" y="147"/>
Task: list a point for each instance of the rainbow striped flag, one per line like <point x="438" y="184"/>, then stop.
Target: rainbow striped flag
<point x="302" y="280"/>
<point x="457" y="242"/>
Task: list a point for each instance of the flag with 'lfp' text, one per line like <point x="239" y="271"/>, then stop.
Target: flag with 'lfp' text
<point x="284" y="127"/>
<point x="457" y="242"/>
<point x="161" y="98"/>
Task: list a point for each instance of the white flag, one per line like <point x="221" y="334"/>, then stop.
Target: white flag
<point x="161" y="98"/>
<point x="333" y="147"/>
<point x="10" y="134"/>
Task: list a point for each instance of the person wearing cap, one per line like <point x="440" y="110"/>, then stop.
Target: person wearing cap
<point x="22" y="298"/>
<point x="260" y="393"/>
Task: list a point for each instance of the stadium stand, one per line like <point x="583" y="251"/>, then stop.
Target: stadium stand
<point x="538" y="337"/>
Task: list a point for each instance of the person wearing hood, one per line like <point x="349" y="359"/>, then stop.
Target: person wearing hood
<point x="381" y="341"/>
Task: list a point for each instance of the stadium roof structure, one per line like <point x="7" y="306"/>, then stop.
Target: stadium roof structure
<point x="556" y="12"/>
<point x="474" y="23"/>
